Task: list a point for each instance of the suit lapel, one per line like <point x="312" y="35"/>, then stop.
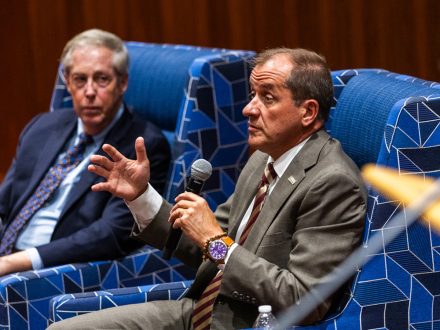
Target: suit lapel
<point x="55" y="141"/>
<point x="87" y="179"/>
<point x="285" y="187"/>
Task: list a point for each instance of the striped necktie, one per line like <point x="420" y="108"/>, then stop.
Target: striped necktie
<point x="55" y="175"/>
<point x="202" y="314"/>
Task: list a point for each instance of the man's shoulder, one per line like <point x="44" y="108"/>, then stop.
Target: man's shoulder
<point x="45" y="120"/>
<point x="58" y="116"/>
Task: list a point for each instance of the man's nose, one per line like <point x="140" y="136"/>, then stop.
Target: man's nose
<point x="90" y="87"/>
<point x="251" y="109"/>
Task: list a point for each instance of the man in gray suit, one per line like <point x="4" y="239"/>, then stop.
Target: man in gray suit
<point x="271" y="241"/>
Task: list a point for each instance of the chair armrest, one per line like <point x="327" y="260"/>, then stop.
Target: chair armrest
<point x="25" y="296"/>
<point x="70" y="305"/>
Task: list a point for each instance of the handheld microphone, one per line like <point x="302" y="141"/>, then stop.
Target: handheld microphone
<point x="201" y="170"/>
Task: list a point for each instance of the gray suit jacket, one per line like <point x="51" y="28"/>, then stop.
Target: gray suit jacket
<point x="312" y="220"/>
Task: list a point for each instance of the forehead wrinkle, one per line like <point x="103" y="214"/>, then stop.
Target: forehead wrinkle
<point x="267" y="75"/>
<point x="268" y="79"/>
<point x="267" y="86"/>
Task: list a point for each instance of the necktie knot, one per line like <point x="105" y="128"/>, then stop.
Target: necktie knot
<point x="84" y="140"/>
<point x="76" y="152"/>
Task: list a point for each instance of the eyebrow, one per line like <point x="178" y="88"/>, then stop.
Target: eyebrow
<point x="93" y="73"/>
<point x="266" y="86"/>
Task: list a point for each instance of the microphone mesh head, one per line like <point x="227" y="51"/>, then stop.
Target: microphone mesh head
<point x="201" y="170"/>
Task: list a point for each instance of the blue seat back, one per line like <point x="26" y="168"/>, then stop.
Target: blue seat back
<point x="363" y="109"/>
<point x="392" y="120"/>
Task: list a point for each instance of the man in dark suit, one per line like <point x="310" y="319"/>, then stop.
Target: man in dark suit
<point x="74" y="224"/>
<point x="275" y="238"/>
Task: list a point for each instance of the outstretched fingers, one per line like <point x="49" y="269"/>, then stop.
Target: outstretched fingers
<point x="102" y="186"/>
<point x="141" y="152"/>
<point x="113" y="152"/>
<point x="99" y="170"/>
<point x="101" y="161"/>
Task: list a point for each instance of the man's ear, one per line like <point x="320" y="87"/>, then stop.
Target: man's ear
<point x="66" y="79"/>
<point x="310" y="112"/>
<point x="123" y="82"/>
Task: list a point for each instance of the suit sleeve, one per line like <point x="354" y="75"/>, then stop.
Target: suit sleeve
<point x="6" y="192"/>
<point x="6" y="186"/>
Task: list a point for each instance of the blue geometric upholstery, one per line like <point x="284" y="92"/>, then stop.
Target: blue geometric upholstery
<point x="340" y="78"/>
<point x="25" y="296"/>
<point x="195" y="95"/>
<point x="65" y="307"/>
<point x="398" y="288"/>
<point x="399" y="118"/>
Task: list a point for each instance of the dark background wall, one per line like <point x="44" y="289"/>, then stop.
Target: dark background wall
<point x="398" y="35"/>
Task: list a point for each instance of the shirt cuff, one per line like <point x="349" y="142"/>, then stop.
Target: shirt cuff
<point x="33" y="254"/>
<point x="145" y="207"/>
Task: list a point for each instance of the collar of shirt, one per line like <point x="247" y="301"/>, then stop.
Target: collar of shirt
<point x="280" y="165"/>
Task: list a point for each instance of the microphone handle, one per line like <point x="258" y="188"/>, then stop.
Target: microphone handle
<point x="174" y="234"/>
<point x="195" y="186"/>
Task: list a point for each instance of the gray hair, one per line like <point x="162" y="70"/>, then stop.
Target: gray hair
<point x="97" y="38"/>
<point x="310" y="77"/>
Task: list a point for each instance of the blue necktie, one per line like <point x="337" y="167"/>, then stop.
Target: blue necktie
<point x="56" y="174"/>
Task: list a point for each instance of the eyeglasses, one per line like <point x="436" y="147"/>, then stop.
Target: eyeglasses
<point x="100" y="79"/>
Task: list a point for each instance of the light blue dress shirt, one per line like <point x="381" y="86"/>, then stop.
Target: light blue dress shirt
<point x="40" y="227"/>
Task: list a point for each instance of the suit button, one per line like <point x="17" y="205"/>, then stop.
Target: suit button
<point x="241" y="297"/>
<point x="254" y="301"/>
<point x="235" y="294"/>
<point x="220" y="301"/>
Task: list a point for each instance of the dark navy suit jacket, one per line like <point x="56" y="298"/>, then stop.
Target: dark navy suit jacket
<point x="93" y="225"/>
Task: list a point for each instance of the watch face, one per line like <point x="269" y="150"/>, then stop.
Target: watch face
<point x="218" y="250"/>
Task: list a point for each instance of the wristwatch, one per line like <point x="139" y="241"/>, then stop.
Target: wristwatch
<point x="217" y="249"/>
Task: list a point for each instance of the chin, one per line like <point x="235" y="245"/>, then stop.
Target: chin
<point x="92" y="126"/>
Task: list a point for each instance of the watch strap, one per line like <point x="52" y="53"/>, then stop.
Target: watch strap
<point x="228" y="241"/>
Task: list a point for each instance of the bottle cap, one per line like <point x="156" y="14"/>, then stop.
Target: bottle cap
<point x="265" y="309"/>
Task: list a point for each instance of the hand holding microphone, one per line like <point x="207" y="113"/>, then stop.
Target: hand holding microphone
<point x="201" y="170"/>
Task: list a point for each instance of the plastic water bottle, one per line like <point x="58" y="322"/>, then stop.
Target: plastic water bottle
<point x="265" y="320"/>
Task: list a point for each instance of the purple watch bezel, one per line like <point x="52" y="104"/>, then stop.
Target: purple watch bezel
<point x="218" y="250"/>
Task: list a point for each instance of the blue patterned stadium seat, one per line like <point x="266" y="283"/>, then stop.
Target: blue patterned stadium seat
<point x="66" y="306"/>
<point x="392" y="120"/>
<point x="196" y="96"/>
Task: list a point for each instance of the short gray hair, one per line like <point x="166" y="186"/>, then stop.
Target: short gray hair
<point x="97" y="38"/>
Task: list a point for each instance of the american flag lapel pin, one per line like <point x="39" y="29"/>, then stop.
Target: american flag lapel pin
<point x="291" y="179"/>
